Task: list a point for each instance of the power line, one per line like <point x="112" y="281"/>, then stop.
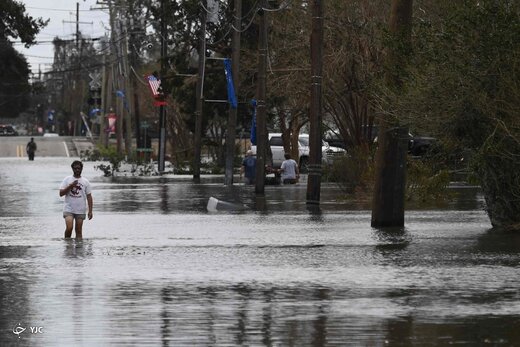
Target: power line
<point x="60" y="9"/>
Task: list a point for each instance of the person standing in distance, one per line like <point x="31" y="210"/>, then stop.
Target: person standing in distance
<point x="31" y="148"/>
<point x="249" y="168"/>
<point x="289" y="170"/>
<point x="78" y="194"/>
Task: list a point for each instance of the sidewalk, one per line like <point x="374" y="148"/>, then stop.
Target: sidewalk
<point x="82" y="144"/>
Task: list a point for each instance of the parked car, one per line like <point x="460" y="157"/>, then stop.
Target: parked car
<point x="7" y="130"/>
<point x="277" y="149"/>
<point x="419" y="145"/>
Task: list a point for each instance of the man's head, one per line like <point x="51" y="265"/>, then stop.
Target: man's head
<point x="249" y="153"/>
<point x="287" y="156"/>
<point x="77" y="167"/>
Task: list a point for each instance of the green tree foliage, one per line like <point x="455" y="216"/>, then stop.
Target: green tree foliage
<point x="16" y="24"/>
<point x="14" y="71"/>
<point x="463" y="86"/>
<point x="353" y="63"/>
<point x="14" y="85"/>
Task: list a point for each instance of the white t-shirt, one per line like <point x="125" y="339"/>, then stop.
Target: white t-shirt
<point x="289" y="169"/>
<point x="76" y="198"/>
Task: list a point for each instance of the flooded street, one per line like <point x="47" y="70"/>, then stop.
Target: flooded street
<point x="155" y="268"/>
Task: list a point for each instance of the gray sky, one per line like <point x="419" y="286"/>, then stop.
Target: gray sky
<point x="62" y="15"/>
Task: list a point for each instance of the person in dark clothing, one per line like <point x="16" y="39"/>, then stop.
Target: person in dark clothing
<point x="249" y="168"/>
<point x="31" y="148"/>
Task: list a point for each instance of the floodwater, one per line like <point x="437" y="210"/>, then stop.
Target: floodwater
<point x="156" y="269"/>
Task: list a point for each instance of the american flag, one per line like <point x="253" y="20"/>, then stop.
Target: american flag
<point x="155" y="85"/>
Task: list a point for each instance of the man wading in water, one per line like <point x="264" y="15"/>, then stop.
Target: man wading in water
<point x="77" y="193"/>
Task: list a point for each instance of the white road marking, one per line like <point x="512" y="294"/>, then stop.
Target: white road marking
<point x="19" y="151"/>
<point x="66" y="149"/>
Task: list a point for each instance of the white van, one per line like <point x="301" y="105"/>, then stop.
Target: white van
<point x="276" y="144"/>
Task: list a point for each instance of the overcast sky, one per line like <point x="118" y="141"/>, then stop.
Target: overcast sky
<point x="62" y="15"/>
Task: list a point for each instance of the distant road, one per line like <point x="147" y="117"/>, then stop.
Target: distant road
<point x="14" y="146"/>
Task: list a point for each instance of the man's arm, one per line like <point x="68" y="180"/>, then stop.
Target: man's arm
<point x="66" y="190"/>
<point x="90" y="205"/>
<point x="282" y="167"/>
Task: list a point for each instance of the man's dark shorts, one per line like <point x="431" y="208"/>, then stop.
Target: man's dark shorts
<point x="75" y="215"/>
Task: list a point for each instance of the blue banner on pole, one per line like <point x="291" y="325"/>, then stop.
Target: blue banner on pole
<point x="253" y="123"/>
<point x="93" y="112"/>
<point x="230" y="86"/>
<point x="121" y="94"/>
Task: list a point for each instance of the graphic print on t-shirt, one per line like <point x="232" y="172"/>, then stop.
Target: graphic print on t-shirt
<point x="75" y="191"/>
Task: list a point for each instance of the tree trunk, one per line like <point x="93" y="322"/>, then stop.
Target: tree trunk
<point x="389" y="188"/>
<point x="497" y="168"/>
<point x="388" y="198"/>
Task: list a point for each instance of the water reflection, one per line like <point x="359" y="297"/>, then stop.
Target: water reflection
<point x="315" y="213"/>
<point x="499" y="242"/>
<point x="77" y="248"/>
<point x="164" y="198"/>
<point x="156" y="269"/>
<point x="391" y="239"/>
<point x="238" y="314"/>
<point x="14" y="291"/>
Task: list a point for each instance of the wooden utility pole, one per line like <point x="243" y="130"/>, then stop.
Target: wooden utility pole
<point x="232" y="120"/>
<point x="117" y="80"/>
<point x="390" y="172"/>
<point x="76" y="100"/>
<point x="77" y="25"/>
<point x="105" y="94"/>
<point x="261" y="128"/>
<point x="133" y="63"/>
<point x="127" y="91"/>
<point x="162" y="109"/>
<point x="314" y="178"/>
<point x="200" y="94"/>
<point x="104" y="104"/>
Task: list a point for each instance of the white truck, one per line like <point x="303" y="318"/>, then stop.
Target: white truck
<point x="276" y="143"/>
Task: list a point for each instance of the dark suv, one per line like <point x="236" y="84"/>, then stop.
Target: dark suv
<point x="7" y="130"/>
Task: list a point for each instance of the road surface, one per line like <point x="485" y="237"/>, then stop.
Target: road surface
<point x="59" y="146"/>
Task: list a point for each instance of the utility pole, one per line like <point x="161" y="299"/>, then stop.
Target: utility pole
<point x="162" y="110"/>
<point x="77" y="25"/>
<point x="133" y="63"/>
<point x="232" y="120"/>
<point x="128" y="95"/>
<point x="116" y="79"/>
<point x="104" y="102"/>
<point x="261" y="131"/>
<point x="105" y="86"/>
<point x="314" y="178"/>
<point x="76" y="86"/>
<point x="200" y="94"/>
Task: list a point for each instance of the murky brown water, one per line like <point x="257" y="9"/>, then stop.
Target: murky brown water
<point x="156" y="269"/>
